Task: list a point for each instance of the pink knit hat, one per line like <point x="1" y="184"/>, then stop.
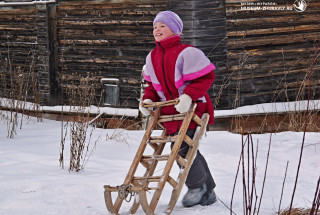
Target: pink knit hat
<point x="171" y="19"/>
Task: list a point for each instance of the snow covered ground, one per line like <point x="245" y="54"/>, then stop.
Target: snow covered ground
<point x="32" y="183"/>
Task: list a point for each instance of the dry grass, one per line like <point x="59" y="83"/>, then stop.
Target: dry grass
<point x="18" y="83"/>
<point x="297" y="211"/>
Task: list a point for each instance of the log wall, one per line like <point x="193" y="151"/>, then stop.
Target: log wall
<point x="18" y="40"/>
<point x="270" y="52"/>
<point x="260" y="55"/>
<point x="24" y="50"/>
<point x="109" y="39"/>
<point x="18" y="34"/>
<point x="205" y="27"/>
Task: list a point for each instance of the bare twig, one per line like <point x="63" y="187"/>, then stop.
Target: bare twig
<point x="236" y="177"/>
<point x="231" y="212"/>
<point x="284" y="181"/>
<point x="245" y="201"/>
<point x="316" y="200"/>
<point x="265" y="174"/>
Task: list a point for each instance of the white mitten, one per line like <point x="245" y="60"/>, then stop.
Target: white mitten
<point x="184" y="103"/>
<point x="145" y="111"/>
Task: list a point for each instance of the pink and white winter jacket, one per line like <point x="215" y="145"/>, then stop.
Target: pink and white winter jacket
<point x="173" y="69"/>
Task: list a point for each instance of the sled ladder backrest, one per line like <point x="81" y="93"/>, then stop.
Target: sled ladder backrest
<point x="140" y="185"/>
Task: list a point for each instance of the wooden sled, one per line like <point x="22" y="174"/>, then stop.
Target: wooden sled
<point x="137" y="185"/>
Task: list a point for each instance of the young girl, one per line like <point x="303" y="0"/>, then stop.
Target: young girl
<point x="175" y="70"/>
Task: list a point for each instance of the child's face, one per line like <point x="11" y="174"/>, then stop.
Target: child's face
<point x="161" y="31"/>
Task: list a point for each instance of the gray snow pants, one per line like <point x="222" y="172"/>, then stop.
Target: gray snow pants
<point x="199" y="172"/>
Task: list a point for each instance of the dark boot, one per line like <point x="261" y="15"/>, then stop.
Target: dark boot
<point x="194" y="196"/>
<point x="208" y="198"/>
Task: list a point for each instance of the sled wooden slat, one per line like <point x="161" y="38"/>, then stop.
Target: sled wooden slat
<point x="197" y="119"/>
<point x="153" y="145"/>
<point x="171" y="119"/>
<point x="166" y="140"/>
<point x="188" y="140"/>
<point x="182" y="162"/>
<point x="162" y="139"/>
<point x="134" y="188"/>
<point x="144" y="203"/>
<point x="108" y="202"/>
<point x="160" y="125"/>
<point x="145" y="164"/>
<point x="161" y="104"/>
<point x="140" y="185"/>
<point x="172" y="182"/>
<point x="147" y="179"/>
<point x="156" y="137"/>
<point x="148" y="158"/>
<point x="172" y="116"/>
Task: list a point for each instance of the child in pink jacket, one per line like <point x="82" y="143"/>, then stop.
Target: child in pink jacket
<point x="175" y="70"/>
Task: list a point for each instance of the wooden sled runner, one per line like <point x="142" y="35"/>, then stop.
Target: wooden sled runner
<point x="139" y="186"/>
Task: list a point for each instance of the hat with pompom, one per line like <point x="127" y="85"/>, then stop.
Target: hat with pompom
<point x="171" y="19"/>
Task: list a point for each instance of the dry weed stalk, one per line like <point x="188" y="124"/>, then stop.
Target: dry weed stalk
<point x="297" y="119"/>
<point x="118" y="135"/>
<point x="81" y="95"/>
<point x="236" y="120"/>
<point x="63" y="140"/>
<point x="224" y="85"/>
<point x="18" y="83"/>
<point x="120" y="127"/>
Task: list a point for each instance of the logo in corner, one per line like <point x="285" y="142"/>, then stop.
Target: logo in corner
<point x="300" y="5"/>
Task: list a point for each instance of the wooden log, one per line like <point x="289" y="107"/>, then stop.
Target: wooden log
<point x="273" y="30"/>
<point x="18" y="10"/>
<point x="272" y="40"/>
<point x="250" y="22"/>
<point x="276" y="65"/>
